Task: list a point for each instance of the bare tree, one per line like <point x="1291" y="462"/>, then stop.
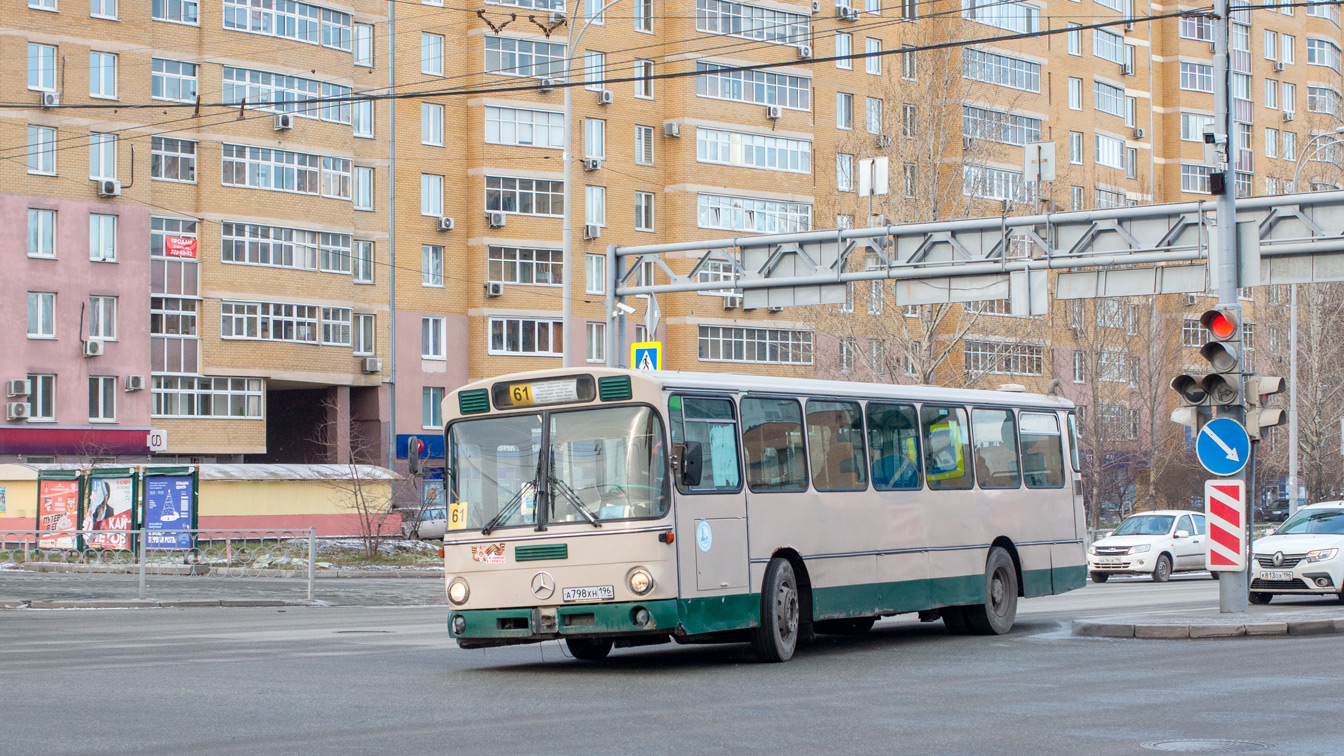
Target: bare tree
<point x="355" y="491"/>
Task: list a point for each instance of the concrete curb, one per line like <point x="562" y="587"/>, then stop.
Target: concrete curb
<point x="1111" y="628"/>
<point x="152" y="603"/>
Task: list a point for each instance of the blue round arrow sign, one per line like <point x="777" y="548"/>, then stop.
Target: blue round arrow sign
<point x="1223" y="446"/>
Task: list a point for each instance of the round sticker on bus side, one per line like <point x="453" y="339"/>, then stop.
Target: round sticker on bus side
<point x="704" y="537"/>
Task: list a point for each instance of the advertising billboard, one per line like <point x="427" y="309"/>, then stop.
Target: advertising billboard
<point x="170" y="504"/>
<point x="111" y="507"/>
<point x="58" y="513"/>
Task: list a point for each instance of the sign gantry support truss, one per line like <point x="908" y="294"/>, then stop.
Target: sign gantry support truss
<point x="1117" y="252"/>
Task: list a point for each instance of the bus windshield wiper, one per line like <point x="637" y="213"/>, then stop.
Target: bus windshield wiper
<point x="574" y="500"/>
<point x="514" y="502"/>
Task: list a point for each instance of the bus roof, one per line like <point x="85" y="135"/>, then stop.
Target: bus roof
<point x="672" y="380"/>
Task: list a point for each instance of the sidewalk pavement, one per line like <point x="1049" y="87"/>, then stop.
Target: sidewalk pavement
<point x="1260" y="621"/>
<point x="21" y="589"/>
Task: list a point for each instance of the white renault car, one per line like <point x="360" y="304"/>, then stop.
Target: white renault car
<point x="1150" y="543"/>
<point x="1304" y="555"/>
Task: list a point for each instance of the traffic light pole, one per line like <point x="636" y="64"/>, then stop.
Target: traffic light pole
<point x="1232" y="586"/>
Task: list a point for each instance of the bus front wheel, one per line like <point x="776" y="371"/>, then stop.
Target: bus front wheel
<point x="588" y="649"/>
<point x="777" y="636"/>
<point x="996" y="615"/>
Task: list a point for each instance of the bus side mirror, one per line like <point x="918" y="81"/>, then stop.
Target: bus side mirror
<point x="692" y="460"/>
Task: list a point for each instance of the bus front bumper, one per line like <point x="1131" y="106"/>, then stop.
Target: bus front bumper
<point x="497" y="627"/>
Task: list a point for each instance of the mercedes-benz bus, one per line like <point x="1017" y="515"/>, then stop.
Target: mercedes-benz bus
<point x="608" y="507"/>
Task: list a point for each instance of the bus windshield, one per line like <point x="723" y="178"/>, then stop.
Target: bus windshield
<point x="601" y="465"/>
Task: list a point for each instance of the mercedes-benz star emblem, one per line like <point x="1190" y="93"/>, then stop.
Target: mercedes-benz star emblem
<point x="543" y="585"/>
<point x="1278" y="561"/>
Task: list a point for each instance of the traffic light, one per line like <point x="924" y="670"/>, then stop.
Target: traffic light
<point x="1259" y="417"/>
<point x="1223" y="353"/>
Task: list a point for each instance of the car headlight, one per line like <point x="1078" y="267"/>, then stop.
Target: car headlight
<point x="458" y="591"/>
<point x="1138" y="549"/>
<point x="641" y="582"/>
<point x="1092" y="550"/>
<point x="1321" y="555"/>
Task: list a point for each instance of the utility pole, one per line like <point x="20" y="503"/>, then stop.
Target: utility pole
<point x="1293" y="503"/>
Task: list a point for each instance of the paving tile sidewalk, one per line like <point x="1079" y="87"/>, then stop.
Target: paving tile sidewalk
<point x="1260" y="621"/>
<point x="21" y="588"/>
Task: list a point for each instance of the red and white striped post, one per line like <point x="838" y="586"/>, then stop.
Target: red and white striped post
<point x="1225" y="510"/>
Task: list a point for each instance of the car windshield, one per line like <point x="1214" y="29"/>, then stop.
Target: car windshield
<point x="604" y="464"/>
<point x="1145" y="525"/>
<point x="1329" y="521"/>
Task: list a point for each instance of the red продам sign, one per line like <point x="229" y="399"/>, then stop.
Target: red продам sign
<point x="179" y="246"/>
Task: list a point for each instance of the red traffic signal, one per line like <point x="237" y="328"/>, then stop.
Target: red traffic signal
<point x="1222" y="324"/>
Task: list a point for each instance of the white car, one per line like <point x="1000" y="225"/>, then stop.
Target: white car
<point x="1150" y="543"/>
<point x="1304" y="556"/>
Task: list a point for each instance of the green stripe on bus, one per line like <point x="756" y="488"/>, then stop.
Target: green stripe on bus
<point x="540" y="552"/>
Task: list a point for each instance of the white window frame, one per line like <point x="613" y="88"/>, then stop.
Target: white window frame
<point x="43" y="305"/>
<point x="595" y="205"/>
<point x="41" y="150"/>
<point x="872" y="61"/>
<point x="362" y="261"/>
<point x="431" y="266"/>
<point x="644" y="211"/>
<point x="42" y="402"/>
<point x="595" y="335"/>
<point x="431" y="407"/>
<point x="42" y="233"/>
<point x="41" y="67"/>
<point x="102" y="398"/>
<point x="170" y="159"/>
<point x="102" y="156"/>
<point x="102" y="318"/>
<point x="594" y="138"/>
<point x="644" y="79"/>
<point x="433" y="335"/>
<point x="102" y="75"/>
<point x="502" y="324"/>
<point x="644" y="145"/>
<point x="364" y="334"/>
<point x="594" y="70"/>
<point x="431" y="54"/>
<point x="362" y="190"/>
<point x="595" y="274"/>
<point x="844" y="45"/>
<point x="522" y="127"/>
<point x="182" y="75"/>
<point x="102" y="237"/>
<point x="431" y="195"/>
<point x="844" y="111"/>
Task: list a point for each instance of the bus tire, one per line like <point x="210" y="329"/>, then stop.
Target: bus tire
<point x="996" y="615"/>
<point x="954" y="619"/>
<point x="588" y="649"/>
<point x="776" y="638"/>
<point x="853" y="626"/>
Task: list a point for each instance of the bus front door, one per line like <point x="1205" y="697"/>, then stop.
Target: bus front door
<point x="711" y="512"/>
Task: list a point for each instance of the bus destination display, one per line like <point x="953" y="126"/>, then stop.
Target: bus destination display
<point x="578" y="388"/>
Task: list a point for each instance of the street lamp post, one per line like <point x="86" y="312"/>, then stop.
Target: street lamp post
<point x="1293" y="503"/>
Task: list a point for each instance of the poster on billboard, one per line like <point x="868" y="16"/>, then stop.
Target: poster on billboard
<point x="110" y="508"/>
<point x="58" y="513"/>
<point x="169" y="511"/>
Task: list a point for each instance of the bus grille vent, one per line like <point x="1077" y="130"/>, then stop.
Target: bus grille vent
<point x="538" y="553"/>
<point x="473" y="402"/>
<point x="614" y="388"/>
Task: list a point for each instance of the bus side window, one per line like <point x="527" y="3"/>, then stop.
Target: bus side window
<point x="947" y="447"/>
<point x="995" y="435"/>
<point x="893" y="442"/>
<point x="712" y="423"/>
<point x="772" y="439"/>
<point x="1042" y="459"/>
<point x="835" y="440"/>
<point x="1073" y="442"/>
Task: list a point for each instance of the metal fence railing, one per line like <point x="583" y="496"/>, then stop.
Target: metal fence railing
<point x="145" y="551"/>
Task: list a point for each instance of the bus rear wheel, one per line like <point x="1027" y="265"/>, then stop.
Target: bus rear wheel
<point x="996" y="615"/>
<point x="588" y="649"/>
<point x="776" y="638"/>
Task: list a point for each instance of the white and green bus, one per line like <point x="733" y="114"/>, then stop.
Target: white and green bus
<point x="610" y="507"/>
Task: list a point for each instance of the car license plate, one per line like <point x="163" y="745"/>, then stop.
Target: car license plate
<point x="1276" y="575"/>
<point x="589" y="593"/>
<point x="1109" y="561"/>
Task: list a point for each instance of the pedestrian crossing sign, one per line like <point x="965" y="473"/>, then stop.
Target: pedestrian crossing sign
<point x="646" y="355"/>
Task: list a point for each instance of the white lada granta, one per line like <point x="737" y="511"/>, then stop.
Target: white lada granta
<point x="1150" y="543"/>
<point x="1303" y="556"/>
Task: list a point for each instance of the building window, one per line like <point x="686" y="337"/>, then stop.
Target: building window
<point x="644" y="82"/>
<point x="909" y="180"/>
<point x="102" y="237"/>
<point x="873" y="115"/>
<point x="1192" y="333"/>
<point x="643" y="211"/>
<point x="1108" y="99"/>
<point x="102" y="156"/>
<point x="285" y="171"/>
<point x="1271" y="94"/>
<point x="431" y="265"/>
<point x="1114" y="367"/>
<point x="363" y="190"/>
<point x="909" y="121"/>
<point x="1075" y="198"/>
<point x="1193" y="125"/>
<point x="523" y="57"/>
<point x="1075" y="40"/>
<point x="1288" y="48"/>
<point x="594" y="70"/>
<point x="1108" y="46"/>
<point x="1000" y="70"/>
<point x="363" y="262"/>
<point x="998" y="126"/>
<point x="592" y="9"/>
<point x="172" y="237"/>
<point x="844" y="45"/>
<point x="1321" y="52"/>
<point x="189" y="396"/>
<point x="594" y="138"/>
<point x="172" y="159"/>
<point x="1003" y="358"/>
<point x="431" y="338"/>
<point x="533" y="336"/>
<point x="41" y="315"/>
<point x="279" y="93"/>
<point x="909" y="66"/>
<point x="363" y="44"/>
<point x="269" y="321"/>
<point x="595" y="272"/>
<point x="42" y="400"/>
<point x="102" y="398"/>
<point x="643" y="145"/>
<point x="172" y="316"/>
<point x="42" y="67"/>
<point x="431" y="195"/>
<point x="526" y="266"/>
<point x="103" y="75"/>
<point x="751" y="22"/>
<point x="292" y="20"/>
<point x="181" y="11"/>
<point x="525" y="128"/>
<point x="872" y="49"/>
<point x="255" y="244"/>
<point x="431" y="54"/>
<point x="524" y="196"/>
<point x="173" y="80"/>
<point x="644" y="16"/>
<point x="1196" y="77"/>
<point x="1197" y="28"/>
<point x="431" y="409"/>
<point x="1079" y="367"/>
<point x="364" y="335"/>
<point x="875" y="299"/>
<point x="1271" y="143"/>
<point x="361" y="117"/>
<point x="844" y="173"/>
<point x="1014" y="17"/>
<point x="1110" y="151"/>
<point x="757" y="87"/>
<point x="103" y="318"/>
<point x="991" y="183"/>
<point x="844" y="110"/>
<point x="46" y="5"/>
<point x="42" y="150"/>
<point x="41" y="232"/>
<point x="754" y="345"/>
<point x="1075" y="94"/>
<point x="1076" y="147"/>
<point x="596" y="334"/>
<point x="847" y="348"/>
<point x="752" y="215"/>
<point x="1195" y="178"/>
<point x="595" y="205"/>
<point x="336" y="326"/>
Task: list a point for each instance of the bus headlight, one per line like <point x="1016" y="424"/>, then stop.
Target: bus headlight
<point x="641" y="582"/>
<point x="458" y="591"/>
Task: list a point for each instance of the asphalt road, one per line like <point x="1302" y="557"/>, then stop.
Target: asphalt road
<point x="356" y="680"/>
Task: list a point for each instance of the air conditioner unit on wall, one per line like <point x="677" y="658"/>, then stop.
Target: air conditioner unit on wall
<point x="1288" y="115"/>
<point x="494" y="289"/>
<point x="556" y="17"/>
<point x="606" y="97"/>
<point x="446" y="224"/>
<point x="135" y="383"/>
<point x="1140" y="133"/>
<point x="284" y="121"/>
<point x="51" y="99"/>
<point x="804" y="51"/>
<point x="671" y="129"/>
<point x="19" y="387"/>
<point x="496" y="220"/>
<point x="1126" y="69"/>
<point x="592" y="164"/>
<point x="94" y="348"/>
<point x="883" y="140"/>
<point x="373" y="365"/>
<point x="1278" y="65"/>
<point x="109" y="188"/>
<point x="17" y="411"/>
<point x="773" y="112"/>
<point x="592" y="231"/>
<point x="548" y="84"/>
